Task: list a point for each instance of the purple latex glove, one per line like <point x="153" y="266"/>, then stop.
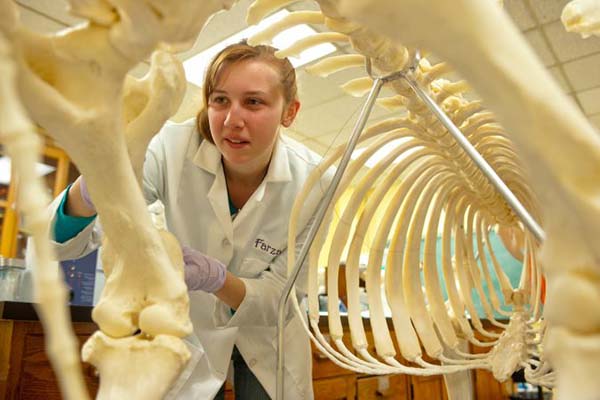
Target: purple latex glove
<point x="85" y="195"/>
<point x="203" y="272"/>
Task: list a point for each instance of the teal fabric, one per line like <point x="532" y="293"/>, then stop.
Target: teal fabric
<point x="67" y="226"/>
<point x="233" y="212"/>
<point x="510" y="266"/>
<point x="232" y="208"/>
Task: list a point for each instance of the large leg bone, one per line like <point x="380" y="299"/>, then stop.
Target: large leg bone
<point x="100" y="132"/>
<point x="92" y="138"/>
<point x="17" y="134"/>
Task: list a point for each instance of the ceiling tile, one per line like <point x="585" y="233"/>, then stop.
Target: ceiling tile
<point x="38" y="23"/>
<point x="568" y="46"/>
<point x="539" y="44"/>
<point x="56" y="10"/>
<point x="559" y="77"/>
<point x="520" y="14"/>
<point x="315" y="146"/>
<point x="595" y="120"/>
<point x="330" y="141"/>
<point x="584" y="73"/>
<point x="328" y="116"/>
<point x="590" y="101"/>
<point x="547" y="10"/>
<point x="314" y="90"/>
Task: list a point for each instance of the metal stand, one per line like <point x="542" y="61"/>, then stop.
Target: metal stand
<point x="481" y="163"/>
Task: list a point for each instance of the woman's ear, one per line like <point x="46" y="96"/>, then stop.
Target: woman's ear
<point x="289" y="114"/>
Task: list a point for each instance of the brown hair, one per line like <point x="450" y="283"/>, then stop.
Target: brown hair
<point x="240" y="52"/>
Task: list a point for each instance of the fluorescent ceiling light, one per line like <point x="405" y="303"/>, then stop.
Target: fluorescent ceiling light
<point x="195" y="67"/>
<point x="384" y="151"/>
<point x="41" y="169"/>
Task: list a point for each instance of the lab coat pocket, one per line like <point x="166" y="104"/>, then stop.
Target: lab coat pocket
<point x="298" y="359"/>
<point x="252" y="267"/>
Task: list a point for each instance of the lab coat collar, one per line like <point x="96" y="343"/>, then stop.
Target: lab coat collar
<point x="279" y="167"/>
<point x="208" y="158"/>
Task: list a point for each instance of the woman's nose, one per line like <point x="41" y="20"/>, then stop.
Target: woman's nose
<point x="234" y="117"/>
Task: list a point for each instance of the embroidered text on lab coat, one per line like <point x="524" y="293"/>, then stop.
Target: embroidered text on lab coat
<point x="264" y="246"/>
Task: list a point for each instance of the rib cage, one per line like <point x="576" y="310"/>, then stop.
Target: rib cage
<point x="426" y="182"/>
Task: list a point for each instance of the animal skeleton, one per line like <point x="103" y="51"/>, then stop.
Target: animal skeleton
<point x="432" y="185"/>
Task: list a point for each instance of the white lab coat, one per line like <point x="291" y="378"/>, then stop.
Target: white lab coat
<point x="186" y="174"/>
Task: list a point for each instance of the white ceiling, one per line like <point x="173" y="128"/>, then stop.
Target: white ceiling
<point x="328" y="114"/>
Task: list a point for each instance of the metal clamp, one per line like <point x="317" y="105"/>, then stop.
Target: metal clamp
<point x="7" y="263"/>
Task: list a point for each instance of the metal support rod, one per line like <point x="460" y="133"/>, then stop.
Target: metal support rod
<point x="320" y="214"/>
<point x="529" y="222"/>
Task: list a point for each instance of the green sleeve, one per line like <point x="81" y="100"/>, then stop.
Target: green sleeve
<point x="67" y="226"/>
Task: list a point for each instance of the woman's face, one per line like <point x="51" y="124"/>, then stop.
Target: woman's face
<point x="244" y="113"/>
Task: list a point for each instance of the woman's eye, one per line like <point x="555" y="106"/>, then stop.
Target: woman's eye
<point x="254" y="102"/>
<point x="218" y="100"/>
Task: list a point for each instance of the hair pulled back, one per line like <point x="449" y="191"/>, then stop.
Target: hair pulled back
<point x="242" y="52"/>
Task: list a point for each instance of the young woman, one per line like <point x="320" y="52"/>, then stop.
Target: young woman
<point x="228" y="181"/>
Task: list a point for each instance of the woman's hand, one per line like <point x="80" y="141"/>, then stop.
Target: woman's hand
<point x="79" y="202"/>
<point x="210" y="275"/>
<point x="203" y="272"/>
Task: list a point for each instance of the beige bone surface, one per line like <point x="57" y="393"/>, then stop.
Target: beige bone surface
<point x="106" y="134"/>
<point x="583" y="17"/>
<point x="560" y="148"/>
<point x="17" y="135"/>
<point x="408" y="203"/>
<point x="155" y="363"/>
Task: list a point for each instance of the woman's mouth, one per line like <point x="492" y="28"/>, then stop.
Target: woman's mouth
<point x="236" y="143"/>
